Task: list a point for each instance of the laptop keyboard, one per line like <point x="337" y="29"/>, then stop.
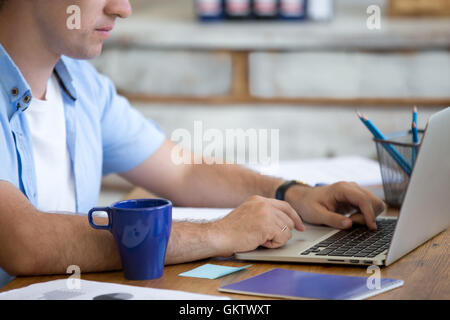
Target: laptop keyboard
<point x="357" y="241"/>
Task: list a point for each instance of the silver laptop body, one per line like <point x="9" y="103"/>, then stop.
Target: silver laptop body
<point x="425" y="213"/>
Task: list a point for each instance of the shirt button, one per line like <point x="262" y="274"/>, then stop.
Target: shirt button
<point x="18" y="106"/>
<point x="27" y="99"/>
<point x="14" y="91"/>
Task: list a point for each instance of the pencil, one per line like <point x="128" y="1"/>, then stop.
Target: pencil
<point x="415" y="115"/>
<point x="404" y="165"/>
<point x="415" y="136"/>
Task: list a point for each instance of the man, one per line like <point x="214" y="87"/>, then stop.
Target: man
<point x="63" y="126"/>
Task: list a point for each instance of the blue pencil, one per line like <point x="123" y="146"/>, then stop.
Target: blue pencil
<point x="415" y="115"/>
<point x="415" y="135"/>
<point x="406" y="167"/>
<point x="415" y="139"/>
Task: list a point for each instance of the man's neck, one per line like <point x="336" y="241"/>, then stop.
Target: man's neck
<point x="24" y="43"/>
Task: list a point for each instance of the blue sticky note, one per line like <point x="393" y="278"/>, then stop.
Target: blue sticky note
<point x="211" y="271"/>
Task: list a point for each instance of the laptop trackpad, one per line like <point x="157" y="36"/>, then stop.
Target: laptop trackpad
<point x="311" y="234"/>
<point x="299" y="242"/>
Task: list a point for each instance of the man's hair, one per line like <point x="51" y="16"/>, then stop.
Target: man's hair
<point x="1" y="3"/>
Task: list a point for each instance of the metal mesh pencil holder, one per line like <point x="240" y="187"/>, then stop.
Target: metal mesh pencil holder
<point x="396" y="156"/>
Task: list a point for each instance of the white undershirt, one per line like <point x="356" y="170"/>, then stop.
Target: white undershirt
<point x="54" y="175"/>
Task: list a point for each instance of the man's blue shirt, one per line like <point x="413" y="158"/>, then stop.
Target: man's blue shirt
<point x="104" y="133"/>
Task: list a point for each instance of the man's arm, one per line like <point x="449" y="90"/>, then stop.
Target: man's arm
<point x="220" y="185"/>
<point x="199" y="185"/>
<point x="38" y="243"/>
<point x="35" y="242"/>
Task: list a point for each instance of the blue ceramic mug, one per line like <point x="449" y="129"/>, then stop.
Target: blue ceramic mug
<point x="141" y="229"/>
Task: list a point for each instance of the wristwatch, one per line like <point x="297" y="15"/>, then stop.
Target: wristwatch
<point x="281" y="190"/>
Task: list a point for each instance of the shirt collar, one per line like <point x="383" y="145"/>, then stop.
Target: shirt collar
<point x="17" y="88"/>
<point x="13" y="82"/>
<point x="65" y="80"/>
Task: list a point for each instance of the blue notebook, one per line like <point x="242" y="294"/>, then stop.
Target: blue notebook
<point x="291" y="284"/>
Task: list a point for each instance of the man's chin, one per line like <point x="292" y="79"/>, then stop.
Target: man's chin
<point x="86" y="53"/>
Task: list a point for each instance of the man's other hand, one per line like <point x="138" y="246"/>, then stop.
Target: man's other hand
<point x="328" y="204"/>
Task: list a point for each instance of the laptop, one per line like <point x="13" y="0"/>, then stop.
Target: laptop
<point x="425" y="213"/>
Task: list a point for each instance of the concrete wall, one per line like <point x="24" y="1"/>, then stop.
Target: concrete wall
<point x="424" y="74"/>
<point x="326" y="74"/>
<point x="305" y="132"/>
<point x="167" y="72"/>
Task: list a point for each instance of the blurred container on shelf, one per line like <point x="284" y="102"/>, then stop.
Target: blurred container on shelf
<point x="238" y="9"/>
<point x="265" y="9"/>
<point x="209" y="10"/>
<point x="320" y="10"/>
<point x="398" y="8"/>
<point x="293" y="9"/>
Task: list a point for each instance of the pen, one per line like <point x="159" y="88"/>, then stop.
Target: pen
<point x="406" y="167"/>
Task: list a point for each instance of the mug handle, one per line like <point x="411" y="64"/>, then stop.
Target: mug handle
<point x="96" y="226"/>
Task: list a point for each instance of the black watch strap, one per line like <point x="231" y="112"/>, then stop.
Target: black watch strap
<point x="281" y="190"/>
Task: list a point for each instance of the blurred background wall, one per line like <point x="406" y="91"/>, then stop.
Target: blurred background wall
<point x="304" y="78"/>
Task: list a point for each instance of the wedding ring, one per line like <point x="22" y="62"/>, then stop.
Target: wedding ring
<point x="284" y="228"/>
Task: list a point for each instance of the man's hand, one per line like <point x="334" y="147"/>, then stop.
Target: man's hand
<point x="327" y="204"/>
<point x="258" y="221"/>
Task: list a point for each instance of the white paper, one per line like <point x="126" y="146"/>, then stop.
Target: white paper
<point x="365" y="172"/>
<point x="69" y="289"/>
<point x="198" y="214"/>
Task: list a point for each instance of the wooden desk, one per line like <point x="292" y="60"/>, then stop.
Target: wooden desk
<point x="425" y="272"/>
